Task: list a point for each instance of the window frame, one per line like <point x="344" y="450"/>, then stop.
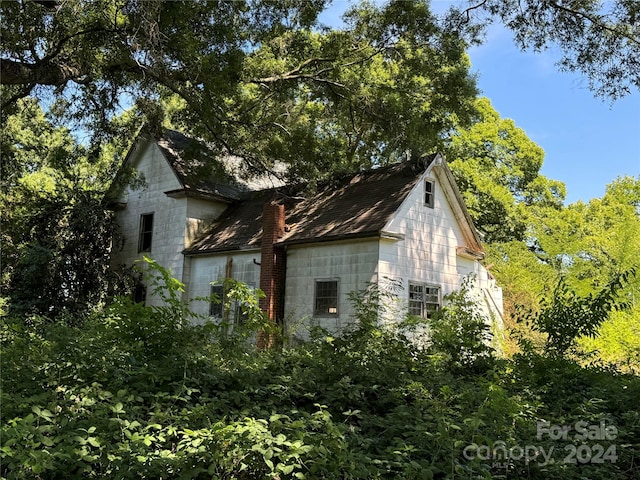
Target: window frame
<point x="217" y="309"/>
<point x="318" y="310"/>
<point x="217" y="305"/>
<point x="429" y="192"/>
<point x="145" y="233"/>
<point x="425" y="300"/>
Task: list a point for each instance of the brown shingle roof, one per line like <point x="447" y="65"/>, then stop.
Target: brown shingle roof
<point x="198" y="169"/>
<point x="355" y="206"/>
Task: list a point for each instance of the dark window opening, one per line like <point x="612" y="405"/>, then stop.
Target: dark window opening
<point x="429" y="191"/>
<point x="424" y="300"/>
<point x="146" y="232"/>
<point x="140" y="293"/>
<point x="216" y="305"/>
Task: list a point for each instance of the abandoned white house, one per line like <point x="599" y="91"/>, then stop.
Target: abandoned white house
<point x="406" y="222"/>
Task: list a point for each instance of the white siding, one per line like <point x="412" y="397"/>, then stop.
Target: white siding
<point x="428" y="251"/>
<point x="169" y="215"/>
<point x="175" y="219"/>
<point x="212" y="268"/>
<point x="200" y="214"/>
<point x="352" y="263"/>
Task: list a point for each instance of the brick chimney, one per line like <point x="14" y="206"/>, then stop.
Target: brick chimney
<point x="272" y="269"/>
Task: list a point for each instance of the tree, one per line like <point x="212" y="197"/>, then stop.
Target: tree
<point x="590" y="243"/>
<point x="585" y="250"/>
<point x="599" y="39"/>
<point x="56" y="230"/>
<point x="497" y="168"/>
<point x="258" y="79"/>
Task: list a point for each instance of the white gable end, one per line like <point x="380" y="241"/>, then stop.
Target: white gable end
<point x="425" y="247"/>
<point x="430" y="241"/>
<point x="169" y="214"/>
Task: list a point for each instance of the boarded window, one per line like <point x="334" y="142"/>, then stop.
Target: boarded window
<point x="146" y="232"/>
<point x="424" y="300"/>
<point x="429" y="193"/>
<point x="326" y="298"/>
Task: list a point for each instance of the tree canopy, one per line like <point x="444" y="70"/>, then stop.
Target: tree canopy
<point x="56" y="232"/>
<point x="598" y="39"/>
<point x="497" y="168"/>
<point x="257" y="79"/>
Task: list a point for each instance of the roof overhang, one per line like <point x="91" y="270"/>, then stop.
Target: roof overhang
<point x="186" y="192"/>
<point x="234" y="249"/>
<point x="465" y="252"/>
<point x="454" y="197"/>
<point x="391" y="235"/>
<point x="331" y="238"/>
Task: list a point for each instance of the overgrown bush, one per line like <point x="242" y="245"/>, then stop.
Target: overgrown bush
<point x="141" y="392"/>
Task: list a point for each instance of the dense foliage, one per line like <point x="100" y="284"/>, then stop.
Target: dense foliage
<point x="569" y="258"/>
<point x="140" y="392"/>
<point x="56" y="228"/>
<point x="94" y="387"/>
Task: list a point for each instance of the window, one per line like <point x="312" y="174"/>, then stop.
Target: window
<point x="241" y="313"/>
<point x="236" y="308"/>
<point x="429" y="191"/>
<point x="423" y="299"/>
<point x="326" y="299"/>
<point x="140" y="293"/>
<point x="216" y="308"/>
<point x="146" y="232"/>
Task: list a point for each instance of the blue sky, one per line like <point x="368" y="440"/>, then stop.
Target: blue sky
<point x="588" y="142"/>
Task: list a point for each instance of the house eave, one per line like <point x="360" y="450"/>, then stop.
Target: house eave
<point x="218" y="251"/>
<point x="392" y="235"/>
<point x="331" y="238"/>
<point x="469" y="254"/>
<point x="188" y="193"/>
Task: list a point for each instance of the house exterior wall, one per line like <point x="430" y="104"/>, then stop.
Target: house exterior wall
<point x="205" y="269"/>
<point x="353" y="264"/>
<point x="168" y="216"/>
<point x="200" y="214"/>
<point x="421" y="247"/>
<point x="176" y="221"/>
<point x="427" y="252"/>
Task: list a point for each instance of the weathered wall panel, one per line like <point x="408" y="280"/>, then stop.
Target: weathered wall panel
<point x="352" y="263"/>
<point x="212" y="268"/>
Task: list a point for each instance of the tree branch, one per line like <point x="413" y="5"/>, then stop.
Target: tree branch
<point x="595" y="21"/>
<point x="467" y="11"/>
<point x="41" y="73"/>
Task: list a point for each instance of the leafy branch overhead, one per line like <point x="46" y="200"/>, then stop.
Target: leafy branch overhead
<point x="259" y="79"/>
<point x="598" y="39"/>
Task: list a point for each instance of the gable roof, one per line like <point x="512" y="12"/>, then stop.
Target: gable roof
<point x="201" y="171"/>
<point x="197" y="168"/>
<point x="356" y="206"/>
